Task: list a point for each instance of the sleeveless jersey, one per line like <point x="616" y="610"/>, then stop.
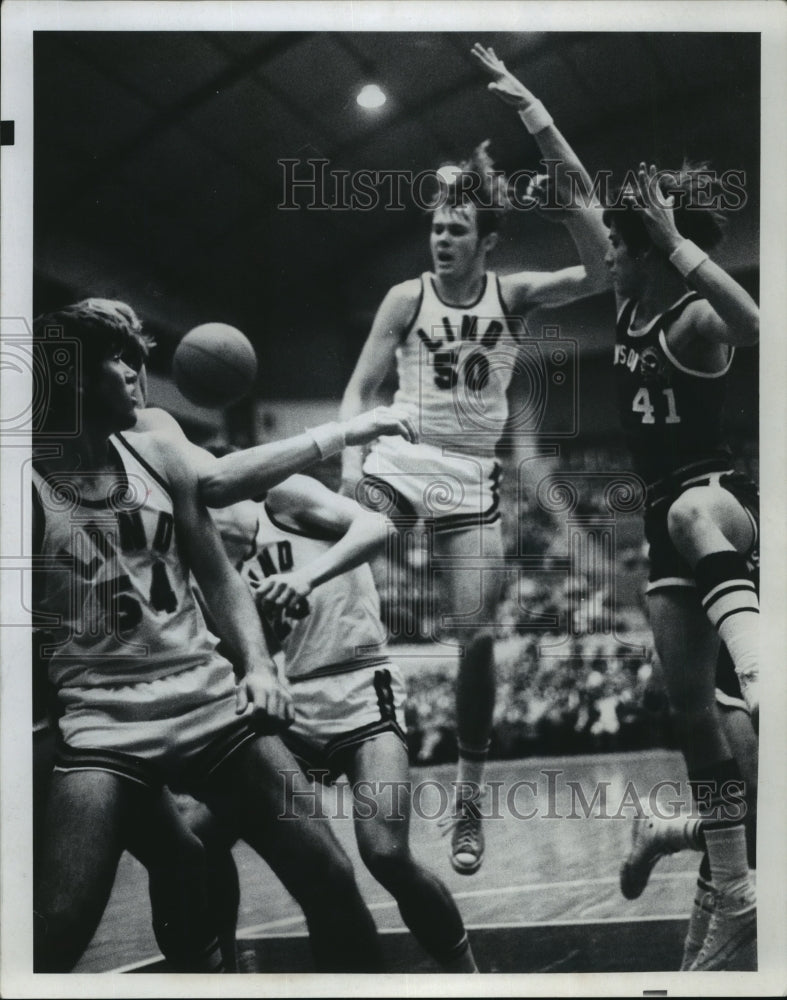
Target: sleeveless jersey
<point x="671" y="415"/>
<point x="455" y="364"/>
<point x="337" y="628"/>
<point x="115" y="579"/>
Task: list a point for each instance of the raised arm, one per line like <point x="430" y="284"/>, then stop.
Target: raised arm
<point x="574" y="190"/>
<point x="230" y="604"/>
<point x="376" y="360"/>
<point x="311" y="506"/>
<point x="727" y="314"/>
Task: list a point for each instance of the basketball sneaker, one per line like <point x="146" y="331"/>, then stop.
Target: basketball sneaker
<point x="701" y="912"/>
<point x="651" y="840"/>
<point x="731" y="940"/>
<point x="467" y="837"/>
<point x="749" y="681"/>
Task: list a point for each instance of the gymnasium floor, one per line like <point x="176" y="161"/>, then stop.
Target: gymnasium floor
<point x="546" y="898"/>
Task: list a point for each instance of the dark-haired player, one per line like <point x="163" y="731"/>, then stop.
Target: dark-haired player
<point x="452" y="335"/>
<point x="144" y="697"/>
<point x="680" y="318"/>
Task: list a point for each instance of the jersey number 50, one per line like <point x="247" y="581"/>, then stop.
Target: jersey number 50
<point x="475" y="370"/>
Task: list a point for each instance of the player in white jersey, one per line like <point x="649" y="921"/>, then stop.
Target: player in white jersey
<point x="119" y="526"/>
<point x="318" y="600"/>
<point x="453" y="336"/>
<point x="315" y="587"/>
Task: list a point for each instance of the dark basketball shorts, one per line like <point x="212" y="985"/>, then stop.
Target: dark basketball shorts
<point x="667" y="567"/>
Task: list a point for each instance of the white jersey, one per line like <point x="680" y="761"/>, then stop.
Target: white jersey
<point x="116" y="582"/>
<point x="338" y="627"/>
<point x="455" y="365"/>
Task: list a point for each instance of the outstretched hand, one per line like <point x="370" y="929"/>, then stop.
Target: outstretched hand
<point x="504" y="84"/>
<point x="381" y="422"/>
<point x="656" y="208"/>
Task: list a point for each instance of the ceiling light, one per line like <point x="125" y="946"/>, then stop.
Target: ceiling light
<point x="371" y="96"/>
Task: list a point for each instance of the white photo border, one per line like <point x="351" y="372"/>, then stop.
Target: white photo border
<point x="20" y="19"/>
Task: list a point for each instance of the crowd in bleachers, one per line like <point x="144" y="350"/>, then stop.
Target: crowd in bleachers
<point x="580" y="696"/>
<point x="573" y="652"/>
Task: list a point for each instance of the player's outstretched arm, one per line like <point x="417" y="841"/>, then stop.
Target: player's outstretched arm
<point x="728" y="313"/>
<point x="244" y="475"/>
<point x="312" y="507"/>
<point x="376" y="359"/>
<point x="227" y="597"/>
<point x="574" y="189"/>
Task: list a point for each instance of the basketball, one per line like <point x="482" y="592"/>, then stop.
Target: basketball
<point x="214" y="365"/>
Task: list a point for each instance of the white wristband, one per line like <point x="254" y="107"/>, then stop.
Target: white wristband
<point x="536" y="117"/>
<point x="686" y="257"/>
<point x="329" y="438"/>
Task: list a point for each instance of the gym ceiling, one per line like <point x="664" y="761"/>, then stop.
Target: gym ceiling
<point x="157" y="173"/>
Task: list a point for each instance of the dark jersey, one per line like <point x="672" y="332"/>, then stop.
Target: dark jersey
<point x="671" y="415"/>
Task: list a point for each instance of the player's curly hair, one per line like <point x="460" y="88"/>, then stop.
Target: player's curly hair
<point x="697" y="217"/>
<point x="475" y="181"/>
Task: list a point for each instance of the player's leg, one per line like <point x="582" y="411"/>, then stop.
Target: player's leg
<point x="426" y="906"/>
<point x="83" y="836"/>
<point x="260" y="792"/>
<point x="654" y="836"/>
<point x="223" y="881"/>
<point x="185" y="914"/>
<point x="743" y="742"/>
<point x="472" y="593"/>
<point x="688" y="647"/>
<point x="713" y="531"/>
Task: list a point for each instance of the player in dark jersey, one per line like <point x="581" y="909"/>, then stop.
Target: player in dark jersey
<point x="119" y="526"/>
<point x="680" y="317"/>
<point x="657" y="836"/>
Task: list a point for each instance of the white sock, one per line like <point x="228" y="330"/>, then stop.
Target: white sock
<point x="729" y="864"/>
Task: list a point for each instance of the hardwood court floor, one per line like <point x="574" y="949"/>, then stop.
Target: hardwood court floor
<point x="547" y="896"/>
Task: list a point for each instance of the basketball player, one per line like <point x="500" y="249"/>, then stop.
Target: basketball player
<point x="680" y="317"/>
<point x="312" y="580"/>
<point x="655" y="837"/>
<point x="317" y="596"/>
<point x="145" y="698"/>
<point x="453" y="336"/>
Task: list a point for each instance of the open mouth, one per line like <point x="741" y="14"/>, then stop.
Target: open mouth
<point x="444" y="258"/>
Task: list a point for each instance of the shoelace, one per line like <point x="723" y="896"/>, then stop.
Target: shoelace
<point x="465" y="822"/>
<point x="713" y="929"/>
